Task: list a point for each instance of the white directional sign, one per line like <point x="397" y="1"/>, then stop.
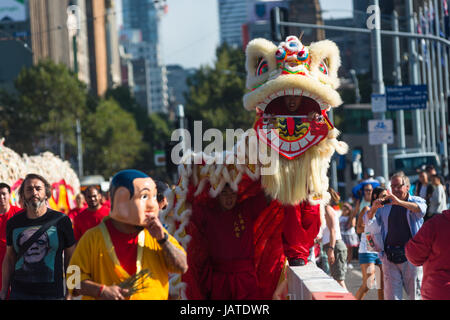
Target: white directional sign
<point x="381" y="132"/>
<point x="378" y="102"/>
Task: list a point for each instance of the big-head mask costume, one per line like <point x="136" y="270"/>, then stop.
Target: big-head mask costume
<point x="127" y="205"/>
<point x="291" y="88"/>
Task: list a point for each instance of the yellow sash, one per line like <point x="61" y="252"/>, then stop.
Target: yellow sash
<point x="119" y="270"/>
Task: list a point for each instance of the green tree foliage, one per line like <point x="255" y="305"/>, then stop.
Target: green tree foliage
<point x="111" y="139"/>
<point x="45" y="106"/>
<point x="215" y="93"/>
<point x="156" y="128"/>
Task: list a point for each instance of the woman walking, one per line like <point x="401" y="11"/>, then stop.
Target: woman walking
<point x="347" y="223"/>
<point x="369" y="259"/>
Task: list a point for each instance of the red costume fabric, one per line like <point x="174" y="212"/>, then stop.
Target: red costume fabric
<point x="223" y="265"/>
<point x="125" y="246"/>
<point x="430" y="248"/>
<point x="300" y="227"/>
<point x="74" y="212"/>
<point x="13" y="210"/>
<point x="88" y="219"/>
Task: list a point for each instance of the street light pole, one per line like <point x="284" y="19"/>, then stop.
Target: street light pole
<point x="377" y="80"/>
<point x="413" y="71"/>
<point x="398" y="82"/>
<point x="442" y="130"/>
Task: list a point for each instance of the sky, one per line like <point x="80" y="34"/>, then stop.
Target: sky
<point x="190" y="29"/>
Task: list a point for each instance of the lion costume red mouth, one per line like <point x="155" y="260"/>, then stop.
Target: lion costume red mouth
<point x="294" y="131"/>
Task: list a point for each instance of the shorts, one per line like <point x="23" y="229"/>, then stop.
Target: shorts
<point x="339" y="267"/>
<point x="369" y="257"/>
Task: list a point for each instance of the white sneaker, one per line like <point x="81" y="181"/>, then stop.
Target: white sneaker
<point x="349" y="266"/>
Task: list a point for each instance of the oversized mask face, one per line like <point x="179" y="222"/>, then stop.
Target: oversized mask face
<point x="140" y="207"/>
<point x="292" y="87"/>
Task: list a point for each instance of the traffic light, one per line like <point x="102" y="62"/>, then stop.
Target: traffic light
<point x="279" y="33"/>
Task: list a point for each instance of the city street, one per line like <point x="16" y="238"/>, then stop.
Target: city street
<point x="353" y="280"/>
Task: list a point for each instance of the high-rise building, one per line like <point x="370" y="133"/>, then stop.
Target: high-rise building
<point x="112" y="45"/>
<point x="258" y="23"/>
<point x="232" y="17"/>
<point x="15" y="42"/>
<point x="145" y="15"/>
<point x="98" y="66"/>
<point x="306" y="11"/>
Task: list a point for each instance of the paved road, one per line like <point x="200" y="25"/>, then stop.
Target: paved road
<point x="353" y="280"/>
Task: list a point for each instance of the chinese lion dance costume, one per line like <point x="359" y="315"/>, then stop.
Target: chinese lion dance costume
<point x="64" y="180"/>
<point x="291" y="88"/>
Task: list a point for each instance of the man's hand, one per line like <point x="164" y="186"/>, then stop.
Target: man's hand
<point x="155" y="227"/>
<point x="392" y="197"/>
<point x="113" y="293"/>
<point x="331" y="258"/>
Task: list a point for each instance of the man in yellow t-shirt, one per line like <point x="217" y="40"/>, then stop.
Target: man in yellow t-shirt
<point x="129" y="240"/>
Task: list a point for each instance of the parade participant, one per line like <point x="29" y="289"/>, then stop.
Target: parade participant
<point x="161" y="187"/>
<point x="92" y="215"/>
<point x="291" y="87"/>
<point x="369" y="259"/>
<point x="128" y="242"/>
<point x="6" y="212"/>
<point x="40" y="243"/>
<point x="429" y="248"/>
<point x="397" y="222"/>
<point x="332" y="241"/>
<point x="81" y="204"/>
<point x="227" y="229"/>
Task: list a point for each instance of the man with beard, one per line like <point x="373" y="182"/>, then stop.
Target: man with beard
<point x="92" y="215"/>
<point x="19" y="272"/>
<point x="6" y="212"/>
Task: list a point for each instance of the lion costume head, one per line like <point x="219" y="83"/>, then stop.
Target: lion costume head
<point x="292" y="88"/>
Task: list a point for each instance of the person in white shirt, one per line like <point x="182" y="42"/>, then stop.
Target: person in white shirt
<point x="438" y="200"/>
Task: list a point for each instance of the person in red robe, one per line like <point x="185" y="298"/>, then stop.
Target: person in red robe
<point x="6" y="212"/>
<point x="80" y="206"/>
<point x="225" y="227"/>
<point x="300" y="227"/>
<point x="92" y="215"/>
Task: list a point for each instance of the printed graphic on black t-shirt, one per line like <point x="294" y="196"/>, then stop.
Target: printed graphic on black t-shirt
<point x="40" y="270"/>
<point x="37" y="263"/>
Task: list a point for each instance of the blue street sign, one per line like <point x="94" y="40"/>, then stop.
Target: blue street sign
<point x="406" y="97"/>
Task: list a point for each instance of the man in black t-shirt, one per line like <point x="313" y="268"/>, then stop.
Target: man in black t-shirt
<point x="39" y="272"/>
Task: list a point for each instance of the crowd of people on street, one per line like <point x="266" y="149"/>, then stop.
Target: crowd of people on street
<point x="106" y="236"/>
<point x="399" y="231"/>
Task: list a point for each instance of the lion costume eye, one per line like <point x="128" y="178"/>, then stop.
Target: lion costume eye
<point x="323" y="66"/>
<point x="280" y="54"/>
<point x="303" y="54"/>
<point x="262" y="68"/>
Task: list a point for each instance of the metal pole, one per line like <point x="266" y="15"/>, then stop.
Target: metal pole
<point x="431" y="103"/>
<point x="428" y="125"/>
<point x="442" y="130"/>
<point x="398" y="82"/>
<point x="377" y="81"/>
<point x="356" y="82"/>
<point x="80" y="150"/>
<point x="413" y="74"/>
<point x="435" y="88"/>
<point x="425" y="135"/>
